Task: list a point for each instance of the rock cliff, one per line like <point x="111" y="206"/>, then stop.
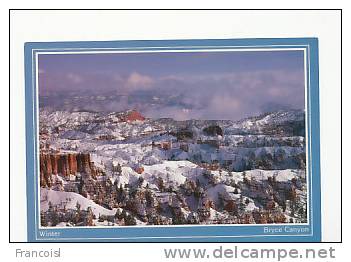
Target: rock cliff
<point x="64" y="164"/>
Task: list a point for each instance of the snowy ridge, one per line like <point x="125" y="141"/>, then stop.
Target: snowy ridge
<point x="165" y="172"/>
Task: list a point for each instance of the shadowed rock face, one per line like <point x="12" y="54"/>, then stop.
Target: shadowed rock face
<point x="64" y="165"/>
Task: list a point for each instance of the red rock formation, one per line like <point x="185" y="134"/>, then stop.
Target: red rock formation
<point x="45" y="170"/>
<point x="72" y="163"/>
<point x="139" y="170"/>
<point x="64" y="165"/>
<point x="270" y="205"/>
<point x="230" y="206"/>
<point x="54" y="159"/>
<point x="209" y="204"/>
<point x="134" y="116"/>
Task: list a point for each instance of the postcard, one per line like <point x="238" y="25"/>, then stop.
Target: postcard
<point x="173" y="141"/>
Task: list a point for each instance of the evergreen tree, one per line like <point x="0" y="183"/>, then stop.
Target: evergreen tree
<point x="119" y="169"/>
<point x="78" y="207"/>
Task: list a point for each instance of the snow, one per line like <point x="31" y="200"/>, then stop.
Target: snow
<point x="74" y="135"/>
<point x="70" y="200"/>
<point x="225" y="191"/>
<point x="137" y="144"/>
<point x="281" y="175"/>
<point x="174" y="172"/>
<point x="129" y="176"/>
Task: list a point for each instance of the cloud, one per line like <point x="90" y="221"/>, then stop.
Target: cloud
<point x="174" y="112"/>
<point x="137" y="81"/>
<point x="229" y="95"/>
<point x="74" y="78"/>
<point x="272" y="106"/>
<point x="224" y="106"/>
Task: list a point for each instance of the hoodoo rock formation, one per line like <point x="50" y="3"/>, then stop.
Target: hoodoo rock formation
<point x="65" y="164"/>
<point x="134" y="116"/>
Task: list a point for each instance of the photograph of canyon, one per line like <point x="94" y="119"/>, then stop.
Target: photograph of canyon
<point x="172" y="138"/>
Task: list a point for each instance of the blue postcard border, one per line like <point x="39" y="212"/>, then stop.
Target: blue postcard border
<point x="213" y="233"/>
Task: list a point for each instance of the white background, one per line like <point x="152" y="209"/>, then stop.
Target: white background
<point x="29" y="26"/>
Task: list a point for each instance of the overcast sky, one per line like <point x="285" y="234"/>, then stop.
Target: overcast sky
<point x="196" y="85"/>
